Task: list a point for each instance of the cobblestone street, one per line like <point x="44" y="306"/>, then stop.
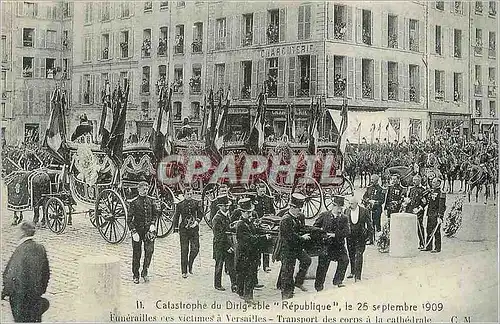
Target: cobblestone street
<point x="82" y="239"/>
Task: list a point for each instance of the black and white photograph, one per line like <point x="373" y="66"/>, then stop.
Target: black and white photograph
<point x="230" y="161"/>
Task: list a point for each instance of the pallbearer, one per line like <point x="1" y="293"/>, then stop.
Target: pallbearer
<point x="264" y="206"/>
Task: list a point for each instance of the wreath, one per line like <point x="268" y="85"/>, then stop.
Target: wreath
<point x="87" y="165"/>
<point x="384" y="240"/>
<point x="453" y="219"/>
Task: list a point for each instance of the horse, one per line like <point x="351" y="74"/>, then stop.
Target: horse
<point x="477" y="177"/>
<point x="449" y="168"/>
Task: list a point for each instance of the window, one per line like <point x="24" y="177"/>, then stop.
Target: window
<point x="457" y="87"/>
<point x="177" y="110"/>
<point x="493" y="109"/>
<point x="491" y="45"/>
<point x="28" y="37"/>
<point x="439" y="84"/>
<point x="50" y="71"/>
<point x="492" y="82"/>
<point x="220" y="72"/>
<point x="367" y="78"/>
<point x="197" y="37"/>
<point x="3" y="45"/>
<point x="478" y="49"/>
<point x="340" y="81"/>
<point x="65" y="39"/>
<point x="28" y="67"/>
<point x="305" y="75"/>
<point x="148" y="6"/>
<point x="162" y="43"/>
<point x="247" y="29"/>
<point x="392" y="29"/>
<point x="4" y="115"/>
<point x="273" y="29"/>
<point x="162" y="72"/>
<point x="478" y="107"/>
<point x="179" y="39"/>
<point x="163" y="5"/>
<point x="124" y="43"/>
<point x="492" y="11"/>
<point x="87" y="89"/>
<point x="146" y="43"/>
<point x="146" y="79"/>
<point x="221" y="32"/>
<point x="458" y="5"/>
<point x="88" y="12"/>
<point x="181" y="4"/>
<point x="124" y="10"/>
<point x="124" y="80"/>
<point x="28" y="101"/>
<point x="457" y="38"/>
<point x="392" y="81"/>
<point x="439" y="37"/>
<point x="246" y="82"/>
<point x="178" y="79"/>
<point x="304" y="22"/>
<point x="440" y="5"/>
<point x="195" y="82"/>
<point x="87" y="48"/>
<point x="478" y="81"/>
<point x="479" y="7"/>
<point x="367" y="26"/>
<point x="66" y="8"/>
<point x="414" y="83"/>
<point x="51" y="12"/>
<point x="272" y="77"/>
<point x="30" y="9"/>
<point x="413" y="32"/>
<point x="105" y="11"/>
<point x="195" y="110"/>
<point x="340" y="23"/>
<point x="65" y="74"/>
<point x="51" y="39"/>
<point x="105" y="46"/>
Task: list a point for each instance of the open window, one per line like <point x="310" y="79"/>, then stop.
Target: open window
<point x="195" y="82"/>
<point x="392" y="29"/>
<point x="28" y="67"/>
<point x="179" y="39"/>
<point x="50" y="71"/>
<point x="367" y="78"/>
<point x="340" y="21"/>
<point x="304" y="75"/>
<point x="220" y="40"/>
<point x="146" y="79"/>
<point x="367" y="26"/>
<point x="247" y="29"/>
<point x="28" y="37"/>
<point x="340" y="78"/>
<point x="414" y="83"/>
<point x="105" y="46"/>
<point x="124" y="44"/>
<point x="439" y="84"/>
<point x="178" y="79"/>
<point x="146" y="43"/>
<point x="392" y="81"/>
<point x="246" y="67"/>
<point x="197" y="37"/>
<point x="273" y="28"/>
<point x="162" y="43"/>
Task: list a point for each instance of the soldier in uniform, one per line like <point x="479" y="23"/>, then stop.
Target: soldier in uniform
<point x="394" y="197"/>
<point x="373" y="199"/>
<point x="415" y="203"/>
<point x="187" y="217"/>
<point x="264" y="206"/>
<point x="336" y="225"/>
<point x="223" y="253"/>
<point x="435" y="213"/>
<point x="247" y="251"/>
<point x="142" y="225"/>
<point x="289" y="248"/>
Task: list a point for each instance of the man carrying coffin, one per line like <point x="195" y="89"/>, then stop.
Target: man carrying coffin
<point x="264" y="206"/>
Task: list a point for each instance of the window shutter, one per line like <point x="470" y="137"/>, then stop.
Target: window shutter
<point x="385" y="80"/>
<point x="450" y="41"/>
<point x="330" y="75"/>
<point x="406" y="84"/>
<point x="97" y="89"/>
<point x="375" y="40"/>
<point x="264" y="22"/>
<point x="421" y="36"/>
<point x="448" y="86"/>
<point x="421" y="73"/>
<point x="31" y="94"/>
<point x="229" y="22"/>
<point x="282" y="24"/>
<point x="359" y="37"/>
<point x="131" y="8"/>
<point x="236" y="89"/>
<point x="25" y="101"/>
<point x="281" y="76"/>
<point x="130" y="77"/>
<point x="401" y="32"/>
<point x="238" y="30"/>
<point x="254" y="90"/>
<point x="211" y="34"/>
<point x="376" y="81"/>
<point x="36" y="67"/>
<point x="117" y="44"/>
<point x="406" y="36"/>
<point x="301" y="22"/>
<point x="291" y="76"/>
<point x="307" y="22"/>
<point x="80" y="89"/>
<point x="329" y="13"/>
<point x="349" y="10"/>
<point x="432" y="90"/>
<point x="359" y="82"/>
<point x="432" y="38"/>
<point x="20" y="8"/>
<point x="41" y="38"/>
<point x="256" y="28"/>
<point x="314" y="76"/>
<point x="262" y="74"/>
<point x="227" y="76"/>
<point x="401" y="81"/>
<point x="350" y="77"/>
<point x="42" y="68"/>
<point x="19" y="36"/>
<point x="131" y="42"/>
<point x="385" y="27"/>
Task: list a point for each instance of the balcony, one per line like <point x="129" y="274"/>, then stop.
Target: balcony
<point x="479" y="7"/>
<point x="248" y="39"/>
<point x="339" y="86"/>
<point x="492" y="11"/>
<point x="195" y="85"/>
<point x="339" y="31"/>
<point x="179" y="44"/>
<point x="458" y="7"/>
<point x="220" y="44"/>
<point x="177" y="86"/>
<point x="457" y="96"/>
<point x="272" y="87"/>
<point x="28" y="43"/>
<point x="413" y="44"/>
<point x="146" y="48"/>
<point x="392" y="41"/>
<point x="492" y="53"/>
<point x="457" y="52"/>
<point x="492" y="91"/>
<point x="367" y="90"/>
<point x="162" y="47"/>
<point x="367" y="36"/>
<point x="145" y="87"/>
<point x="392" y="93"/>
<point x="273" y="34"/>
<point x="478" y="90"/>
<point x="197" y="46"/>
<point x="439" y="95"/>
<point x="413" y="94"/>
<point x="478" y="50"/>
<point x="245" y="92"/>
<point x="105" y="54"/>
<point x="124" y="48"/>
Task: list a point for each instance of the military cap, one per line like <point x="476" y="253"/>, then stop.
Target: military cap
<point x="245" y="204"/>
<point x="224" y="201"/>
<point x="338" y="200"/>
<point x="297" y="200"/>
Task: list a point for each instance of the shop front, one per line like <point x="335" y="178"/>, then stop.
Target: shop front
<point x="457" y="125"/>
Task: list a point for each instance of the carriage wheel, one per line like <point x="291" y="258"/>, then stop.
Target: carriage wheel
<point x="111" y="216"/>
<point x="344" y="189"/>
<point x="164" y="223"/>
<point x="314" y="196"/>
<point x="55" y="215"/>
<point x="280" y="200"/>
<point x="209" y="194"/>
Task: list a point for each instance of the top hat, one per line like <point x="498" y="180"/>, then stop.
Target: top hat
<point x="245" y="204"/>
<point x="297" y="200"/>
<point x="338" y="201"/>
<point x="223" y="201"/>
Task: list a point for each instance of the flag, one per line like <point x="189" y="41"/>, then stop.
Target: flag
<point x="222" y="123"/>
<point x="106" y="115"/>
<point x="294" y="126"/>
<point x="114" y="147"/>
<point x="55" y="134"/>
<point x="342" y="143"/>
<point x="162" y="128"/>
<point x="313" y="127"/>
<point x="210" y="120"/>
<point x="255" y="140"/>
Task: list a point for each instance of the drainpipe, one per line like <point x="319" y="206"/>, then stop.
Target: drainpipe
<point x="469" y="66"/>
<point x="426" y="63"/>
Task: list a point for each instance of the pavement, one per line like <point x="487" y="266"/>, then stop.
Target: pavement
<point x="462" y="280"/>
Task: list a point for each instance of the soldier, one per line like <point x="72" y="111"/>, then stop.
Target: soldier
<point x="223" y="253"/>
<point x="247" y="252"/>
<point x="264" y="205"/>
<point x="435" y="213"/>
<point x="373" y="199"/>
<point x="289" y="248"/>
<point x="415" y="203"/>
<point x="187" y="217"/>
<point x="394" y="197"/>
<point x="142" y="224"/>
<point x="336" y="225"/>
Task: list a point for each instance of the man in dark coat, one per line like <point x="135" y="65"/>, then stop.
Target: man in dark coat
<point x="336" y="225"/>
<point x="223" y="252"/>
<point x="247" y="251"/>
<point x="142" y="224"/>
<point x="373" y="199"/>
<point x="187" y="217"/>
<point x="264" y="205"/>
<point x="361" y="229"/>
<point x="291" y="249"/>
<point x="435" y="213"/>
<point x="26" y="277"/>
<point x="415" y="203"/>
<point x="394" y="196"/>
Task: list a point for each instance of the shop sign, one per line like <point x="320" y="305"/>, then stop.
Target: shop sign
<point x="287" y="50"/>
